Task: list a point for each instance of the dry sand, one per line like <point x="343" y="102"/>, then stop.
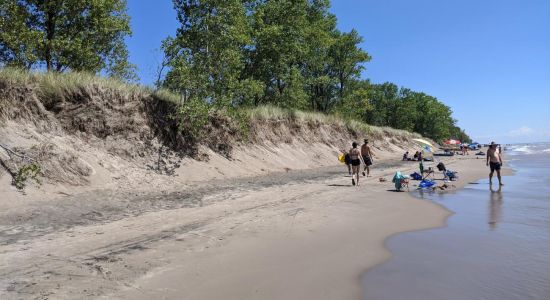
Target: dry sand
<point x="291" y="235"/>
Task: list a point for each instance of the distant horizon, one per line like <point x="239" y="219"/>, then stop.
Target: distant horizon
<point x="489" y="61"/>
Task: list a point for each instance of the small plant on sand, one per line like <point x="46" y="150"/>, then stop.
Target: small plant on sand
<point x="30" y="169"/>
<point x="241" y="120"/>
<point x="25" y="174"/>
<point x="192" y="117"/>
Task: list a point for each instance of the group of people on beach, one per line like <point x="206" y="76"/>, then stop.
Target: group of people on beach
<point x="356" y="157"/>
<point x="417" y="156"/>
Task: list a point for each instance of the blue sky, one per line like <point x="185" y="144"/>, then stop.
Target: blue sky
<point x="489" y="60"/>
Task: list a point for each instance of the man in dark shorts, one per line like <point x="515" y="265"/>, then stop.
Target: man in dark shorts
<point x="494" y="161"/>
<point x="366" y="153"/>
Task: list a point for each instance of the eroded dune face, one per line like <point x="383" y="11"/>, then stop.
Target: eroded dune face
<point x="95" y="135"/>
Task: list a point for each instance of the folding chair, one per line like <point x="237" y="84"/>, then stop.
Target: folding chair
<point x="426" y="173"/>
<point x="405" y="184"/>
<point x="450" y="175"/>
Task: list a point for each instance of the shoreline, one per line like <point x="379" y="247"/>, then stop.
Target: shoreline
<point x="471" y="176"/>
<point x="257" y="236"/>
<point x="483" y="220"/>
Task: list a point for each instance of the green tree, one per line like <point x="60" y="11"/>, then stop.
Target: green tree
<point x="434" y="118"/>
<point x="460" y="134"/>
<point x="347" y="58"/>
<point x="382" y="98"/>
<point x="355" y="104"/>
<point x="405" y="110"/>
<point x="276" y="57"/>
<point x="77" y="35"/>
<point x="206" y="58"/>
<point x="319" y="38"/>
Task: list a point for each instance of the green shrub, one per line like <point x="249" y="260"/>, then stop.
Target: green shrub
<point x="25" y="173"/>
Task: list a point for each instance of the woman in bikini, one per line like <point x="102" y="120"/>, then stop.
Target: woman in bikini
<point x="355" y="155"/>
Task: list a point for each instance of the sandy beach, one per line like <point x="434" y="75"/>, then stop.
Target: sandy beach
<point x="294" y="235"/>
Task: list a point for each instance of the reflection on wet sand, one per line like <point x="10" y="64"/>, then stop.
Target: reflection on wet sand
<point x="495" y="207"/>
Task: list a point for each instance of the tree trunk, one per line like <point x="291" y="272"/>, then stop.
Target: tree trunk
<point x="51" y="15"/>
<point x="341" y="90"/>
<point x="280" y="87"/>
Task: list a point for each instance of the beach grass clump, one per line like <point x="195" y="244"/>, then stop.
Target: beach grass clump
<point x="166" y="95"/>
<point x="51" y="87"/>
<point x="15" y="76"/>
<point x="59" y="85"/>
<point x="270" y="112"/>
<point x="53" y="84"/>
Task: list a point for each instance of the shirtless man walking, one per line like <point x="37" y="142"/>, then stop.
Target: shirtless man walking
<point x="366" y="153"/>
<point x="494" y="161"/>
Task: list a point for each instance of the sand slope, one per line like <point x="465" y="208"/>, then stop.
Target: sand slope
<point x="292" y="235"/>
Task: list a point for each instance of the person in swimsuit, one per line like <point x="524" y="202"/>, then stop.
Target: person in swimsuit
<point x="366" y="153"/>
<point x="494" y="161"/>
<point x="355" y="156"/>
<point x="347" y="160"/>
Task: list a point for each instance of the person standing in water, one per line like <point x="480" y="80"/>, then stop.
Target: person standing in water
<point x="355" y="156"/>
<point x="494" y="161"/>
<point x="366" y="153"/>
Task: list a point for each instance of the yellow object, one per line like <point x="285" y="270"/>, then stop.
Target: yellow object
<point x="342" y="158"/>
<point x="424" y="142"/>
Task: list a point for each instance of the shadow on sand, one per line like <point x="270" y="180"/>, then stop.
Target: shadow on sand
<point x="340" y="185"/>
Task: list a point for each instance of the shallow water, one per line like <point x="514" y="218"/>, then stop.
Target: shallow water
<point x="496" y="245"/>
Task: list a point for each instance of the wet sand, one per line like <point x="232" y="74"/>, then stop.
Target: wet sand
<point x="494" y="247"/>
<point x="294" y="235"/>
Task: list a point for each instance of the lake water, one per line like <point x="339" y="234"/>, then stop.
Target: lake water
<point x="496" y="245"/>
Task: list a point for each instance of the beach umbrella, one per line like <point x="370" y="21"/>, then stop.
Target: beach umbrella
<point x="424" y="142"/>
<point x="426" y="146"/>
<point x="452" y="142"/>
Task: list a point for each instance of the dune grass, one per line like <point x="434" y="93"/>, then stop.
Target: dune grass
<point x="60" y="84"/>
<point x="268" y="112"/>
<point x="52" y="84"/>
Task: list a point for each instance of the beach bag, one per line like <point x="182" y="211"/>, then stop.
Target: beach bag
<point x="341" y="158"/>
<point x="416" y="176"/>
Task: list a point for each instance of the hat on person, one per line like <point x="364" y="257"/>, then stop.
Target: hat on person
<point x="366" y="140"/>
<point x="493" y="144"/>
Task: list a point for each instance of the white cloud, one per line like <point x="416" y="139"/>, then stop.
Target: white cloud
<point x="522" y="131"/>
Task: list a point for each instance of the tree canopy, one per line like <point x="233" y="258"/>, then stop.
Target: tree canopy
<point x="288" y="53"/>
<point x="226" y="54"/>
<point x="60" y="35"/>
